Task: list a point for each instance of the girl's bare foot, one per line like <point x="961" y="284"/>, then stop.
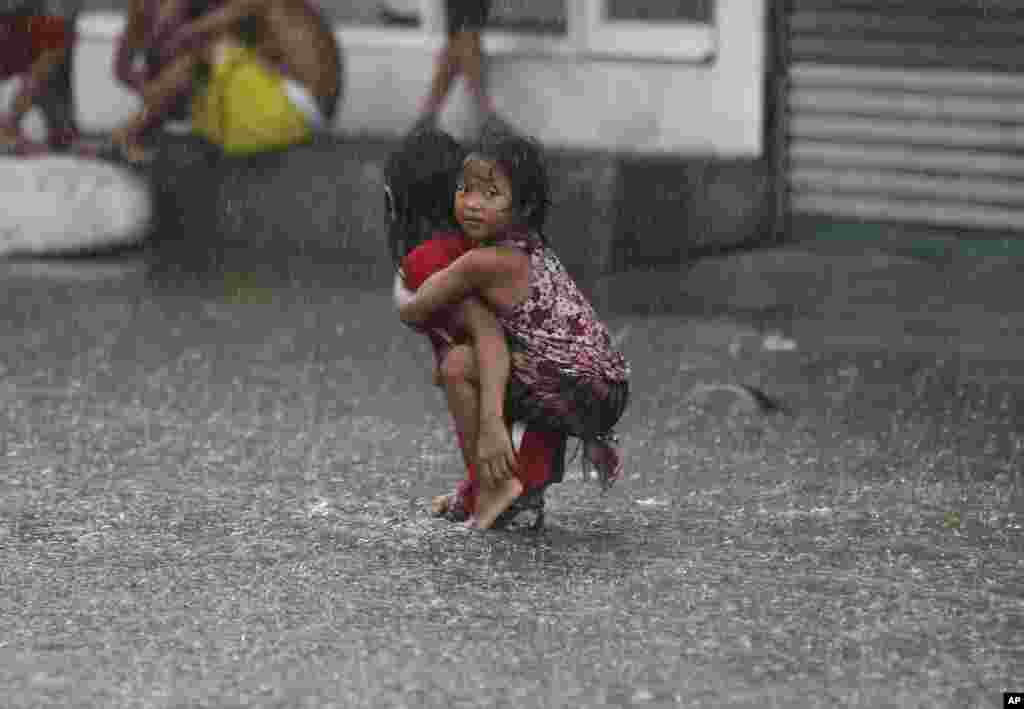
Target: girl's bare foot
<point x="495" y="500"/>
<point x="439" y="505"/>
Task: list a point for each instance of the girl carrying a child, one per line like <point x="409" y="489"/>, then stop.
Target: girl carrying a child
<point x="565" y="375"/>
<point x="420" y="184"/>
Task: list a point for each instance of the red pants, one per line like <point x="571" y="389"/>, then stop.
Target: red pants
<point x="536" y="458"/>
<point x="538" y="448"/>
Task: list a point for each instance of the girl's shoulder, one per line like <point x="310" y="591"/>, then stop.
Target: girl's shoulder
<point x="494" y="264"/>
<point x="448" y="234"/>
<point x="525" y="242"/>
<point x="497" y="257"/>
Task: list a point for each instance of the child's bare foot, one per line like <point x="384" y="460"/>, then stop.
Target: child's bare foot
<point x="439" y="505"/>
<point x="12" y="142"/>
<point x="495" y="500"/>
<point x="455" y="507"/>
<point x="129" y="149"/>
<point x="9" y="135"/>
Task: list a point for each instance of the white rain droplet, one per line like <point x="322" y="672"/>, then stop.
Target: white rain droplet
<point x="621" y="335"/>
<point x="653" y="502"/>
<point x="776" y="342"/>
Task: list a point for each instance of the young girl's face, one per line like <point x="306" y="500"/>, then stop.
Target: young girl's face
<point x="483" y="200"/>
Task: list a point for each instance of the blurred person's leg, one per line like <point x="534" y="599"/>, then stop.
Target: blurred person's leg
<point x="158" y="96"/>
<point x="446" y="68"/>
<point x="57" y="102"/>
<point x="33" y="84"/>
<point x="463" y="53"/>
<point x="472" y="63"/>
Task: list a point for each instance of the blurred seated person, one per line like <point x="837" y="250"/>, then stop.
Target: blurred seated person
<point x="266" y="74"/>
<point x="139" y="57"/>
<point x="37" y="39"/>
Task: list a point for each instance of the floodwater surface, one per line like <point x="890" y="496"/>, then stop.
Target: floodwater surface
<point x="217" y="498"/>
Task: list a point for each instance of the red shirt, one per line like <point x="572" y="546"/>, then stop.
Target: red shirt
<point x="427" y="259"/>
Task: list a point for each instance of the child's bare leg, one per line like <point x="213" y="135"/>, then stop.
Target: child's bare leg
<point x="439" y="503"/>
<point x="157" y="96"/>
<point x="463" y="396"/>
<point x="35" y="82"/>
<point x="460" y="375"/>
<point x="445" y="71"/>
<point x="472" y="62"/>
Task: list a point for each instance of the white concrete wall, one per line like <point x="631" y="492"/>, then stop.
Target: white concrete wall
<point x="564" y="98"/>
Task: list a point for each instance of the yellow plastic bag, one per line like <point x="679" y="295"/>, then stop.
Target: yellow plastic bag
<point x="245" y="108"/>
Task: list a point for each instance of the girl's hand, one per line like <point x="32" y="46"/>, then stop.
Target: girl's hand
<point x="400" y="293"/>
<point x="496" y="458"/>
<point x="186" y="38"/>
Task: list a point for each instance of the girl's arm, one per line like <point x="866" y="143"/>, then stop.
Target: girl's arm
<point x="401" y="295"/>
<point x="477" y="271"/>
<point x="495" y="453"/>
<point x="132" y="40"/>
<point x="221" y="20"/>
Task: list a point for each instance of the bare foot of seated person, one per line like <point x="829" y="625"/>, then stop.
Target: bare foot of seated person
<point x="35" y="82"/>
<point x="9" y="134"/>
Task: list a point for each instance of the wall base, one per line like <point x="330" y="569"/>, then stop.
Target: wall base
<point x="318" y="210"/>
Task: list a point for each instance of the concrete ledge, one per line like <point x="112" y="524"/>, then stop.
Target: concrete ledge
<point x="319" y="208"/>
<point x="671" y="211"/>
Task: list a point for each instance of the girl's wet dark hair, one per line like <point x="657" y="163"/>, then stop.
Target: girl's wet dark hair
<point x="522" y="160"/>
<point x="420" y="188"/>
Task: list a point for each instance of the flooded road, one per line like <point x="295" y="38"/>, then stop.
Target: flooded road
<point x="216" y="498"/>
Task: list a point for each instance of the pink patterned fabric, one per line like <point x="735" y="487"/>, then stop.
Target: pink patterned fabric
<point x="566" y="376"/>
<point x="560" y="331"/>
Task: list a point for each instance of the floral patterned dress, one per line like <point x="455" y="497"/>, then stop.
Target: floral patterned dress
<point x="566" y="374"/>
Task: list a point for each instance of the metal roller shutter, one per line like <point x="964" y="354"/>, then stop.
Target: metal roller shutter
<point x="907" y="111"/>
